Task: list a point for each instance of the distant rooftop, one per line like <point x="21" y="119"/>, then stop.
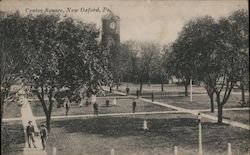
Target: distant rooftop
<point x="110" y="15"/>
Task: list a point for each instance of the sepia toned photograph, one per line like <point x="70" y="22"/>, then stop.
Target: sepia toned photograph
<point x="123" y="77"/>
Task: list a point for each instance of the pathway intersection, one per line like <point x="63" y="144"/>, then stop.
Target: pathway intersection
<point x="27" y="115"/>
<point x="124" y="114"/>
<point x="194" y="112"/>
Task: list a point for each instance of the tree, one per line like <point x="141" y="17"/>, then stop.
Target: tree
<point x="144" y="62"/>
<point x="41" y="47"/>
<point x="212" y="52"/>
<point x="158" y="72"/>
<point x="63" y="53"/>
<point x="240" y="25"/>
<point x="12" y="52"/>
<point x="232" y="46"/>
<point x="202" y="33"/>
<point x="83" y="62"/>
<point x="180" y="62"/>
<point x="53" y="49"/>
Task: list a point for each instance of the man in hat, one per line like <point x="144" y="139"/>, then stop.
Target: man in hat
<point x="30" y="133"/>
<point x="134" y="105"/>
<point x="43" y="134"/>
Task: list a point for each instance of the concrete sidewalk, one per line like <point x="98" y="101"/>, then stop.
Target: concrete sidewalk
<point x="123" y="114"/>
<point x="111" y="114"/>
<point x="194" y="112"/>
<point x="27" y="116"/>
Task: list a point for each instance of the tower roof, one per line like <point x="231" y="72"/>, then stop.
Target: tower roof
<point x="110" y="15"/>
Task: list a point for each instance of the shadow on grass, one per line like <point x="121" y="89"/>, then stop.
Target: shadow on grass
<point x="162" y="133"/>
<point x="129" y="126"/>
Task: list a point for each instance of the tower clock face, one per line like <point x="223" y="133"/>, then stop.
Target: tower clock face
<point x="112" y="25"/>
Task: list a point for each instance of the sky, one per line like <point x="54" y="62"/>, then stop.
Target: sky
<point x="142" y="20"/>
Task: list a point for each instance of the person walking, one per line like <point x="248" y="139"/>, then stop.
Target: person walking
<point x="137" y="93"/>
<point x="107" y="102"/>
<point x="134" y="105"/>
<point x="67" y="105"/>
<point x="43" y="134"/>
<point x="30" y="134"/>
<point x="152" y="96"/>
<point x="127" y="90"/>
<point x="95" y="105"/>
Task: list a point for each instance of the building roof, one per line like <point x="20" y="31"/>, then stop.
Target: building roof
<point x="109" y="16"/>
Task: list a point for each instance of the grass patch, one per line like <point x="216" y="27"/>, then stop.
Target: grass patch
<point x="12" y="138"/>
<point x="98" y="135"/>
<point x="123" y="106"/>
<point x="174" y="95"/>
<point x="11" y="109"/>
<point x="242" y="116"/>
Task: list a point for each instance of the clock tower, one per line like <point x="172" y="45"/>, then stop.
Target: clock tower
<point x="110" y="30"/>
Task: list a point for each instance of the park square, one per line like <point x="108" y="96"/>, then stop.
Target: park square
<point x="125" y="78"/>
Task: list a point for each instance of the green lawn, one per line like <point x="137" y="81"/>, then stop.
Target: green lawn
<point x="11" y="109"/>
<point x="168" y="88"/>
<point x="97" y="136"/>
<point x="123" y="106"/>
<point x="12" y="138"/>
<point x="175" y="95"/>
<point x="199" y="101"/>
<point x="242" y="116"/>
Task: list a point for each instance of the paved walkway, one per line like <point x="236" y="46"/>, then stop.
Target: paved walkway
<point x="112" y="114"/>
<point x="194" y="112"/>
<point x="124" y="114"/>
<point x="27" y="115"/>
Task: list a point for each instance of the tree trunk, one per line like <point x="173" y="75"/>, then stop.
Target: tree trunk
<point x="48" y="118"/>
<point x="117" y="85"/>
<point x="2" y="103"/>
<point x="45" y="109"/>
<point x="243" y="94"/>
<point x="220" y="107"/>
<point x="162" y="89"/>
<point x="186" y="89"/>
<point x="48" y="115"/>
<point x="211" y="96"/>
<point x="141" y="86"/>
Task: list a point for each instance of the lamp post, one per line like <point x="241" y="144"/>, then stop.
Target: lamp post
<point x="200" y="137"/>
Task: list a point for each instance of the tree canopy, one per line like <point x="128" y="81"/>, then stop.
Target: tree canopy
<point x="214" y="53"/>
<point x="52" y="52"/>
